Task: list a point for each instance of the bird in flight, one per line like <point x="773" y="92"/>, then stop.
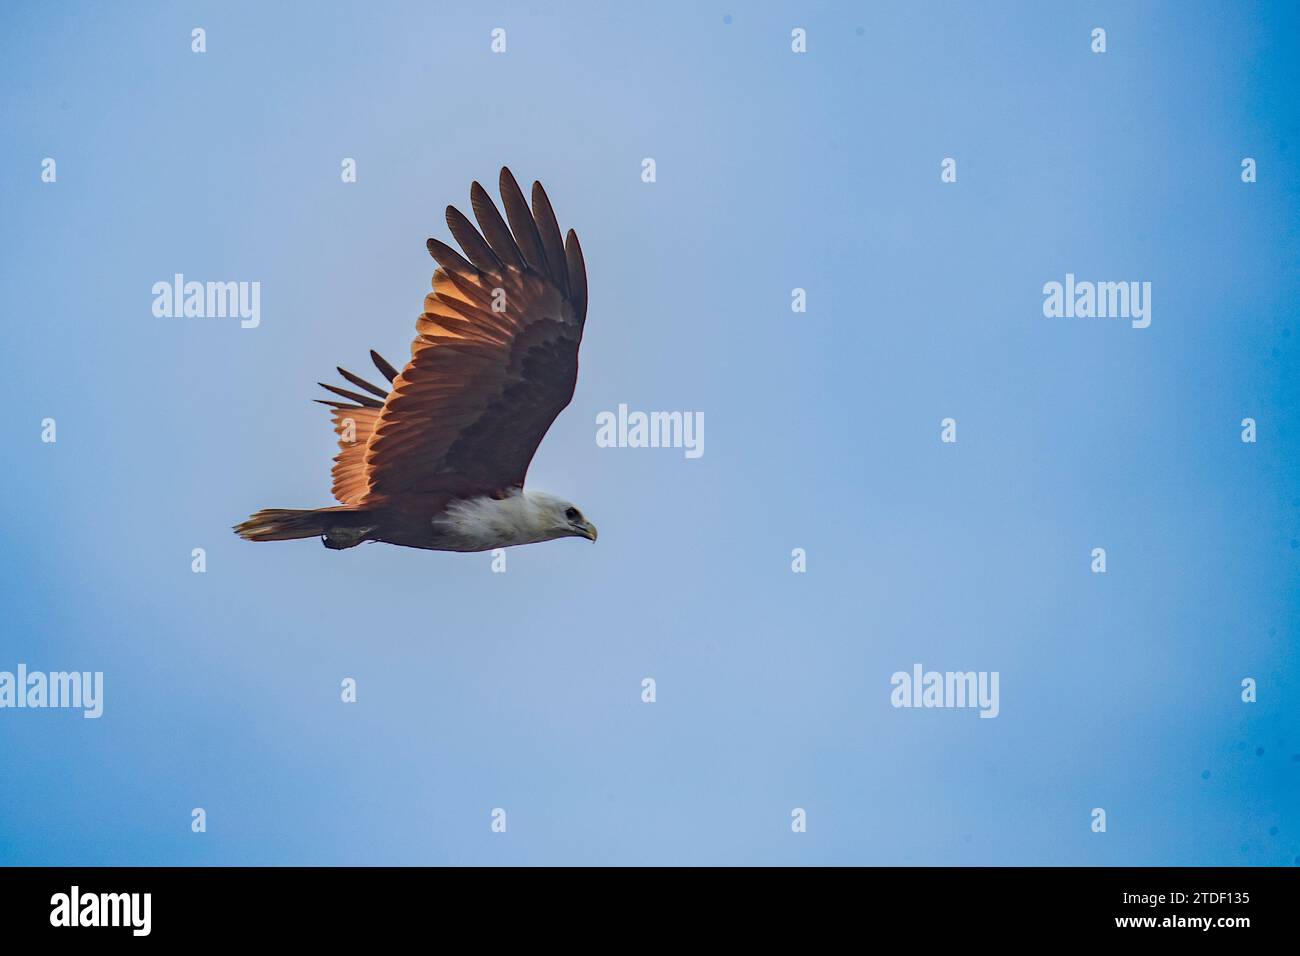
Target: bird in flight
<point x="437" y="459"/>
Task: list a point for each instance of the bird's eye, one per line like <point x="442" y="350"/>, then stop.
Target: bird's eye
<point x="572" y="514"/>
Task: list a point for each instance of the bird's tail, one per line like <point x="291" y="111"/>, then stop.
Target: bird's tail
<point x="284" y="524"/>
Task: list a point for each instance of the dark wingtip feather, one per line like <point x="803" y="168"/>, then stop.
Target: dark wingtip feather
<point x="449" y="258"/>
<point x="363" y="400"/>
<point x="360" y="382"/>
<point x="521" y="221"/>
<point x="493" y="227"/>
<point x="385" y="369"/>
<point x="552" y="242"/>
<point x="473" y="245"/>
<point x="577" y="274"/>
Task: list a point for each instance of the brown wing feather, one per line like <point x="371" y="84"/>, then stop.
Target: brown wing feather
<point x="577" y="274"/>
<point x="549" y="229"/>
<point x="494" y="228"/>
<point x="354" y="424"/>
<point x="385" y="369"/>
<point x="360" y="382"/>
<point x="522" y="225"/>
<point x="494" y="361"/>
<point x="476" y="249"/>
<point x="357" y="424"/>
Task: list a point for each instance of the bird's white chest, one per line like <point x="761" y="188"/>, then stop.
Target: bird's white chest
<point x="484" y="524"/>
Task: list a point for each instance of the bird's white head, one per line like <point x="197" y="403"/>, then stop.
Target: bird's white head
<point x="558" y="518"/>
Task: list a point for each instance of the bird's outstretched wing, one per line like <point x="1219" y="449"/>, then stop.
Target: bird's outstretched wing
<point x="494" y="361"/>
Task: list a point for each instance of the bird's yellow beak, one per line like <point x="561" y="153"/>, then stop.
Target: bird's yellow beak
<point x="589" y="531"/>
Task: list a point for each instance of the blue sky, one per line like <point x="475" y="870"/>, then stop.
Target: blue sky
<point x="775" y="171"/>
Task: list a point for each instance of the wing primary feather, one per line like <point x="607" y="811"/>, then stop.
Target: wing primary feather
<point x="322" y="401"/>
<point x="522" y="224"/>
<point x="475" y="248"/>
<point x="577" y="275"/>
<point x="385" y="369"/>
<point x="360" y="382"/>
<point x="551" y="239"/>
<point x="494" y="228"/>
<point x="363" y="400"/>
<point x="449" y="258"/>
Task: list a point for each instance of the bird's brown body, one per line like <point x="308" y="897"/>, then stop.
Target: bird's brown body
<point x="438" y="459"/>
